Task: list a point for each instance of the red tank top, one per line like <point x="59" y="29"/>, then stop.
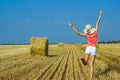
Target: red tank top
<point x="92" y="39"/>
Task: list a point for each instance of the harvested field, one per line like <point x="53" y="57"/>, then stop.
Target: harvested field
<point x="62" y="63"/>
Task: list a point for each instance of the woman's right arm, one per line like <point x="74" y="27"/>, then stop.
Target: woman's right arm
<point x="75" y="30"/>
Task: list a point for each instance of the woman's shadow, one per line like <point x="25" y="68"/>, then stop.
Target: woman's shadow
<point x="104" y="72"/>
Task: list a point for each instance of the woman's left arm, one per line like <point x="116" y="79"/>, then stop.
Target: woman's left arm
<point x="98" y="21"/>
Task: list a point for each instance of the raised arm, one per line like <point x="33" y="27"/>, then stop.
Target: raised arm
<point x="75" y="30"/>
<point x="98" y="21"/>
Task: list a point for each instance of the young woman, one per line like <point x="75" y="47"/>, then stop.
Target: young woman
<point x="91" y="35"/>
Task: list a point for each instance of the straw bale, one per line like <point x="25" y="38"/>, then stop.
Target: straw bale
<point x="60" y="44"/>
<point x="39" y="46"/>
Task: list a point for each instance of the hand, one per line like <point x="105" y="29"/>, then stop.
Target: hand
<point x="100" y="13"/>
<point x="70" y="24"/>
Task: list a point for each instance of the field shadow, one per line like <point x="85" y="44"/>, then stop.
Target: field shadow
<point x="104" y="72"/>
<point x="114" y="59"/>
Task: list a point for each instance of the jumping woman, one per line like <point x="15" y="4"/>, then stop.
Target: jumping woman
<point x="91" y="35"/>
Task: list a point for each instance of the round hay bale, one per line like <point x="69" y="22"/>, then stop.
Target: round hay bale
<point x="39" y="46"/>
<point x="60" y="44"/>
<point x="81" y="44"/>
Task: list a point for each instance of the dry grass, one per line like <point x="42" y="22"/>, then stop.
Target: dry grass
<point x="62" y="63"/>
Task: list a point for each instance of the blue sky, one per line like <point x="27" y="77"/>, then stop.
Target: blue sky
<point x="22" y="19"/>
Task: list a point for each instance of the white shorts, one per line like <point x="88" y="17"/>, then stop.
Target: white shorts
<point x="91" y="50"/>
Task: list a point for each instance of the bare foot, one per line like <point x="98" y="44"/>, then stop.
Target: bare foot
<point x="83" y="61"/>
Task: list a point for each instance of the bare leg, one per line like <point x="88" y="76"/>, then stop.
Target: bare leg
<point x="92" y="67"/>
<point x="85" y="59"/>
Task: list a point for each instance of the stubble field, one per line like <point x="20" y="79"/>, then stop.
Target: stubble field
<point x="62" y="63"/>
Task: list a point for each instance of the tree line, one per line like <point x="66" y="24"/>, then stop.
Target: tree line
<point x="109" y="42"/>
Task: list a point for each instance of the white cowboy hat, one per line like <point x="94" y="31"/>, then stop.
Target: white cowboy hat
<point x="88" y="29"/>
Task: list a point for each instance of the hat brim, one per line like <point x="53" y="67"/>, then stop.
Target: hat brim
<point x="91" y="31"/>
<point x="85" y="31"/>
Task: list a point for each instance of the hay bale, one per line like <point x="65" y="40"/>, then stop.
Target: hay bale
<point x="60" y="44"/>
<point x="39" y="46"/>
<point x="81" y="44"/>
